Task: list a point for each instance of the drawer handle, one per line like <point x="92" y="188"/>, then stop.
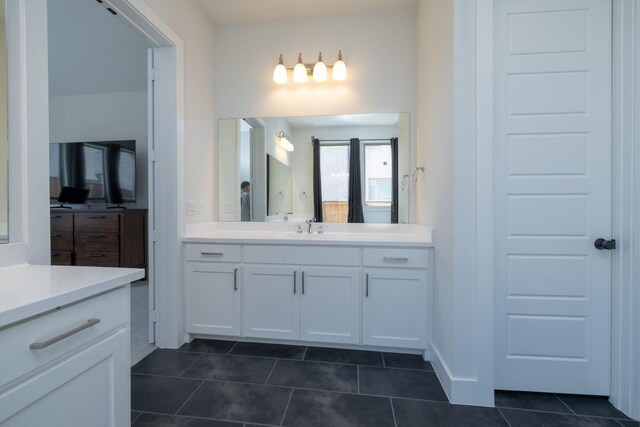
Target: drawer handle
<point x="212" y="253"/>
<point x="303" y="283"/>
<point x="57" y="235"/>
<point x="366" y="287"/>
<point x="395" y="259"/>
<point x="96" y="255"/>
<point x="295" y="279"/>
<point x="55" y="255"/>
<point x="235" y="279"/>
<point x="47" y="343"/>
<point x="98" y="236"/>
<point x="56" y="216"/>
<point x="97" y="217"/>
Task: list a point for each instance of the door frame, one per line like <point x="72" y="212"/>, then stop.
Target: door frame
<point x="625" y="388"/>
<point x="168" y="185"/>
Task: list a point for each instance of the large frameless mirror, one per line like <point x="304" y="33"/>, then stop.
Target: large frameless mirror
<point x="4" y="149"/>
<point x="299" y="168"/>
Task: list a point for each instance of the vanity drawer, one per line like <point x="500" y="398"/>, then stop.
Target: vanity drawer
<point x="96" y="223"/>
<point x="61" y="222"/>
<point x="396" y="257"/>
<point x="302" y="255"/>
<point x="209" y="252"/>
<point x="62" y="242"/>
<point x="61" y="258"/>
<point x="98" y="259"/>
<point x="111" y="309"/>
<point x="97" y="242"/>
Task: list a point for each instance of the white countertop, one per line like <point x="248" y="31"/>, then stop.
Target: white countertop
<point x="334" y="234"/>
<point x="27" y="290"/>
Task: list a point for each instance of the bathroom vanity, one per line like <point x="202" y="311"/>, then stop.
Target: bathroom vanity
<point x="354" y="285"/>
<point x="64" y="335"/>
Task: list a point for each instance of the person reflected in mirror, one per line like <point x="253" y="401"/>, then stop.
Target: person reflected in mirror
<point x="245" y="201"/>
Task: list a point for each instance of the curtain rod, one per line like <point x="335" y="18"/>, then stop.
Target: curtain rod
<point x="348" y="140"/>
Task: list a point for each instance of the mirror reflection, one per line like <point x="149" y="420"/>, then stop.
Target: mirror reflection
<point x="4" y="152"/>
<point x="334" y="169"/>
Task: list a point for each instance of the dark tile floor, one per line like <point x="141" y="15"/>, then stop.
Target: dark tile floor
<point x="209" y="383"/>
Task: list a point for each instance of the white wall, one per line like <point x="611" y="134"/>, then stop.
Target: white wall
<point x="195" y="29"/>
<point x="104" y="117"/>
<point x="4" y="171"/>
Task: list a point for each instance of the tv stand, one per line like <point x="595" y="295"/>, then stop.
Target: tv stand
<point x="117" y="206"/>
<point x="60" y="206"/>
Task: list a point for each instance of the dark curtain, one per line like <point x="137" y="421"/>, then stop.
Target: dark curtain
<point x="355" y="184"/>
<point x="317" y="181"/>
<point x="394" y="180"/>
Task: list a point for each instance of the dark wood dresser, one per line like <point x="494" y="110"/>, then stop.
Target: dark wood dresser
<point x="99" y="238"/>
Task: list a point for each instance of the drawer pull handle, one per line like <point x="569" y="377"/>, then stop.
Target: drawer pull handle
<point x="57" y="235"/>
<point x="211" y="253"/>
<point x="97" y="217"/>
<point x="366" y="287"/>
<point x="96" y="255"/>
<point x="47" y="343"/>
<point x="395" y="259"/>
<point x="295" y="279"/>
<point x="98" y="236"/>
<point x="235" y="279"/>
<point x="303" y="283"/>
<point x="56" y="216"/>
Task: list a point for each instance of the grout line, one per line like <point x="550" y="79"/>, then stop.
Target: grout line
<point x="271" y="371"/>
<point x="358" y="377"/>
<point x="189" y="367"/>
<point x="305" y="352"/>
<point x="503" y="417"/>
<point x="393" y="412"/>
<point x="239" y="423"/>
<point x="301" y="388"/>
<point x="189" y="398"/>
<point x="573" y="414"/>
<point x="564" y="403"/>
<point x="231" y="349"/>
<point x="287" y="407"/>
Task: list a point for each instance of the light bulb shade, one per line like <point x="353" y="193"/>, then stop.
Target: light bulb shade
<point x="280" y="74"/>
<point x="300" y="73"/>
<point x="339" y="70"/>
<point x="320" y="72"/>
<point x="284" y="141"/>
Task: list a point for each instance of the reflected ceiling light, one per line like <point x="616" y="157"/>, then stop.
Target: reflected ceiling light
<point x="300" y="71"/>
<point x="340" y="68"/>
<point x="280" y="72"/>
<point x="319" y="70"/>
<point x="285" y="141"/>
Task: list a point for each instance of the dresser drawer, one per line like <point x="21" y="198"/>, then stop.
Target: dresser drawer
<point x="96" y="223"/>
<point x="302" y="255"/>
<point x="209" y="252"/>
<point x="96" y="242"/>
<point x="62" y="242"/>
<point x="395" y="257"/>
<point x="61" y="258"/>
<point x="111" y="309"/>
<point x="61" y="222"/>
<point x="98" y="259"/>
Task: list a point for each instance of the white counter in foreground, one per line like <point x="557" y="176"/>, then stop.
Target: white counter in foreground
<point x="333" y="234"/>
<point x="29" y="290"/>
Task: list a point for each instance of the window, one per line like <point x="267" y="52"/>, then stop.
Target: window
<point x="377" y="174"/>
<point x="334" y="170"/>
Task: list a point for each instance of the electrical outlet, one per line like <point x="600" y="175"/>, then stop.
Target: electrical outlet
<point x="191" y="207"/>
<point x="200" y="207"/>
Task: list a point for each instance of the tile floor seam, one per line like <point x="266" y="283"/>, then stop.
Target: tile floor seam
<point x="358" y="378"/>
<point x="565" y="404"/>
<point x="503" y="417"/>
<point x="189" y="367"/>
<point x="563" y="413"/>
<point x="305" y="388"/>
<point x="240" y="423"/>
<point x="393" y="413"/>
<point x="190" y="396"/>
<point x="287" y="407"/>
<point x="271" y="371"/>
<point x="306" y="349"/>
<point x="228" y="353"/>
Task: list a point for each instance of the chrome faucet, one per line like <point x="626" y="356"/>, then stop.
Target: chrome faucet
<point x="285" y="218"/>
<point x="310" y="224"/>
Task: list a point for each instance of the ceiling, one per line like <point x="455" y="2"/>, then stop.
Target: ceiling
<point x="92" y="51"/>
<point x="389" y="119"/>
<point x="244" y="11"/>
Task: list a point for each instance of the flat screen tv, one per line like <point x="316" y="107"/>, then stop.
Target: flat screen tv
<point x="107" y="169"/>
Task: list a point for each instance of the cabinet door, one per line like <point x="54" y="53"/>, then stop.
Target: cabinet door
<point x="89" y="388"/>
<point x="330" y="305"/>
<point x="395" y="308"/>
<point x="271" y="302"/>
<point x="214" y="298"/>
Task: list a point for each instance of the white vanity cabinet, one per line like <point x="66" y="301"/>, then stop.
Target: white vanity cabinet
<point x="214" y="298"/>
<point x="68" y="367"/>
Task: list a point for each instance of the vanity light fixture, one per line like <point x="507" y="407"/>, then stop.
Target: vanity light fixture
<point x="285" y="141"/>
<point x="319" y="71"/>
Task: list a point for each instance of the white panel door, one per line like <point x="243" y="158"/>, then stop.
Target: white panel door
<point x="395" y="307"/>
<point x="330" y="305"/>
<point x="552" y="195"/>
<point x="271" y="302"/>
<point x="214" y="298"/>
